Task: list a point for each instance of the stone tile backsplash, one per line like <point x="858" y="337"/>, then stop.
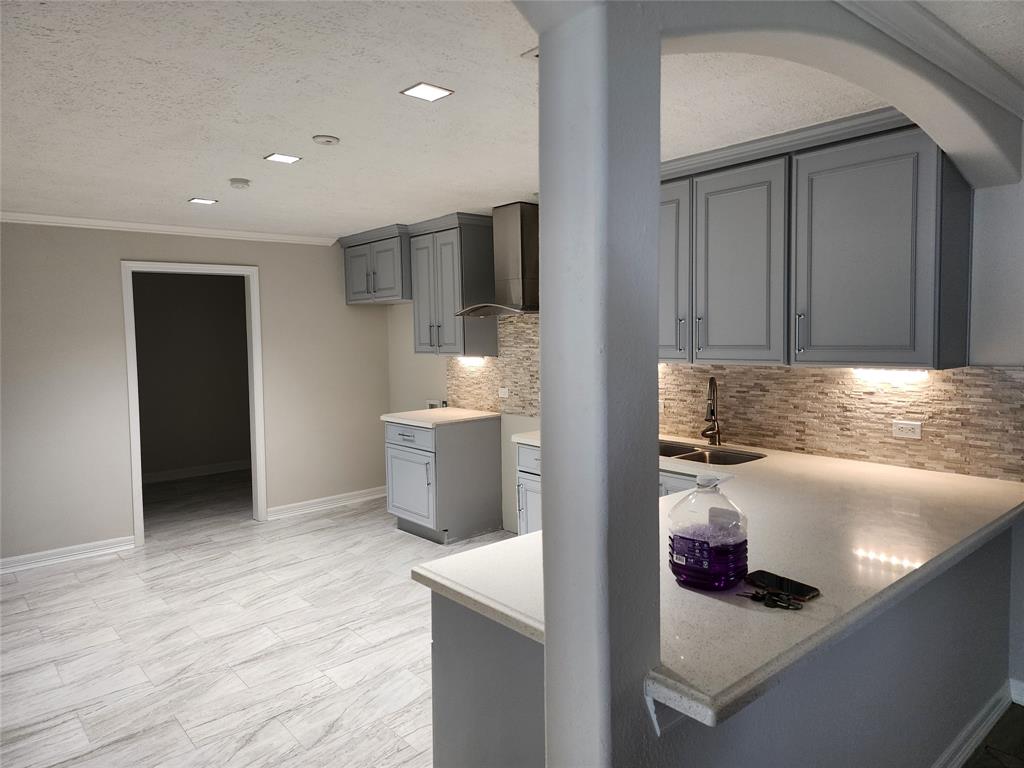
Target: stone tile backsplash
<point x="972" y="418"/>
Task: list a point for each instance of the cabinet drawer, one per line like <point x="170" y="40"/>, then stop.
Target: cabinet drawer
<point x="528" y="458"/>
<point x="411" y="437"/>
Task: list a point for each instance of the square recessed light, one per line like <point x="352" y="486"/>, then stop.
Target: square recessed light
<point x="277" y="157"/>
<point x="427" y="92"/>
<point x="201" y="200"/>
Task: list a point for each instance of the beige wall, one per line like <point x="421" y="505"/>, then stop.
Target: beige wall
<point x="65" y="445"/>
<point x="193" y="367"/>
<point x="413" y="378"/>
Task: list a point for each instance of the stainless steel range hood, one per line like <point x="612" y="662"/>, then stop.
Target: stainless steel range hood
<point x="516" y="263"/>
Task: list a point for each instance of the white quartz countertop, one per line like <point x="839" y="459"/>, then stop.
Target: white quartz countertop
<point x="865" y="534"/>
<point x="428" y="418"/>
<point x="527" y="438"/>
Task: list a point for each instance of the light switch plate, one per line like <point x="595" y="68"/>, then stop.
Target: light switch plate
<point x="502" y="391"/>
<point x="908" y="430"/>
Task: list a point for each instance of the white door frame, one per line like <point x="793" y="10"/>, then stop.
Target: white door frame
<point x="255" y="345"/>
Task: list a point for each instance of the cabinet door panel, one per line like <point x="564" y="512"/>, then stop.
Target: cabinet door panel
<point x="448" y="275"/>
<point x="740" y="254"/>
<point x="674" y="265"/>
<point x="422" y="248"/>
<point x="357" y="273"/>
<point x="528" y="488"/>
<point x="386" y="279"/>
<point x="864" y="251"/>
<point x="410" y="476"/>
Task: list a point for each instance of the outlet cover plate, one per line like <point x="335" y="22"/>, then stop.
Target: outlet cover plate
<point x="502" y="392"/>
<point x="908" y="430"/>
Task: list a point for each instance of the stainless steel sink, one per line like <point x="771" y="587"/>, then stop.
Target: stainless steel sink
<point x="705" y="454"/>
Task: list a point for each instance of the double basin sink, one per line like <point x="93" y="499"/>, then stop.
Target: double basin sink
<point x="705" y="454"/>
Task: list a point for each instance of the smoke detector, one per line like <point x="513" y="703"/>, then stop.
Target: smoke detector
<point x="325" y="140"/>
<point x="239" y="183"/>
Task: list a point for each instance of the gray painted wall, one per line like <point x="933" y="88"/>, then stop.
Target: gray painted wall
<point x="193" y="370"/>
<point x="64" y="383"/>
<point x="997" y="276"/>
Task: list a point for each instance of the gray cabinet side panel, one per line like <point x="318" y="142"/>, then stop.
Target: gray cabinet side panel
<point x="740" y="264"/>
<point x="674" y="271"/>
<point x="468" y="468"/>
<point x="477" y="262"/>
<point x="956" y="207"/>
<point x="422" y="258"/>
<point x="488" y="692"/>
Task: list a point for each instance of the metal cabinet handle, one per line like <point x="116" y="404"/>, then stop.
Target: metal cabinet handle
<point x="373" y="281"/>
<point x="799" y="316"/>
<point x="699" y="321"/>
<point x="679" y="335"/>
<point x="430" y="335"/>
<point x="406" y="436"/>
<point x="519" y="497"/>
<point x="368" y="283"/>
<point x="437" y="344"/>
<point x="427" y="468"/>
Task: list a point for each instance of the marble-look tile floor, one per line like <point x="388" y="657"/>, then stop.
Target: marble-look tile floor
<point x="224" y="642"/>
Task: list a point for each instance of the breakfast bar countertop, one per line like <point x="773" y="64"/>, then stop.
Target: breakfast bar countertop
<point x="865" y="534"/>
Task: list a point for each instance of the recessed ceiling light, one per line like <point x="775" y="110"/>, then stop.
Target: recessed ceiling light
<point x="325" y="140"/>
<point x="427" y="92"/>
<point x="277" y="157"/>
<point x="201" y="200"/>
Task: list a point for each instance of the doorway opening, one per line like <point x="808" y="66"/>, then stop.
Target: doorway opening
<point x="195" y="393"/>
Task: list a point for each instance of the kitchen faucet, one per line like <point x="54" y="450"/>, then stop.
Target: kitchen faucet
<point x="713" y="432"/>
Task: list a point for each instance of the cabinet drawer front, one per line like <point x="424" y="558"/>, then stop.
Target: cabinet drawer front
<point x="411" y="476"/>
<point x="412" y="437"/>
<point x="528" y="458"/>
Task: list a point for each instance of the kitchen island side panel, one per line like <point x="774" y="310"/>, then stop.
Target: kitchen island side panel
<point x="899" y="692"/>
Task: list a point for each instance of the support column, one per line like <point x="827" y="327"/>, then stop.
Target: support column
<point x="599" y="155"/>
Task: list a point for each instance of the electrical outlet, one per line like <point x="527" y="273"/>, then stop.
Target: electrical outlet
<point x="503" y="392"/>
<point x="908" y="430"/>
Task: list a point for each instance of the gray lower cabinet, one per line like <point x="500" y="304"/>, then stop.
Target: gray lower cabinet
<point x="528" y="502"/>
<point x="444" y="483"/>
<point x="452" y="269"/>
<point x="740" y="264"/>
<point x="377" y="266"/>
<point x="881" y="254"/>
<point x="674" y="272"/>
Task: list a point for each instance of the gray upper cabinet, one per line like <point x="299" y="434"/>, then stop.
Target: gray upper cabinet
<point x="674" y="272"/>
<point x="739" y="308"/>
<point x="452" y="268"/>
<point x="377" y="266"/>
<point x="879" y="225"/>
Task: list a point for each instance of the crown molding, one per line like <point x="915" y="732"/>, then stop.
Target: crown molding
<point x="373" y="235"/>
<point x="46" y="220"/>
<point x="451" y="221"/>
<point x="913" y="26"/>
<point x="855" y="126"/>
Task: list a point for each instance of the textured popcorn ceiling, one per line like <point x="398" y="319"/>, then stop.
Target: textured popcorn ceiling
<point x="124" y="110"/>
<point x="996" y="27"/>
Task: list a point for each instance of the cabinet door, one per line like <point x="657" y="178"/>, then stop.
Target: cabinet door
<point x="528" y="494"/>
<point x="448" y="333"/>
<point x="357" y="274"/>
<point x="411" y="485"/>
<point x="740" y="270"/>
<point x="674" y="271"/>
<point x="423" y="290"/>
<point x="386" y="269"/>
<point x="864" y="256"/>
<point x="672" y="483"/>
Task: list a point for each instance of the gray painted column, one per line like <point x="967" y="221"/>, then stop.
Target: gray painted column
<point x="599" y="154"/>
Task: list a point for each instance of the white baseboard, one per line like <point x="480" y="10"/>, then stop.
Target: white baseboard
<point x="1017" y="691"/>
<point x="325" y="504"/>
<point x="76" y="552"/>
<point x="961" y="748"/>
<point x="200" y="470"/>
